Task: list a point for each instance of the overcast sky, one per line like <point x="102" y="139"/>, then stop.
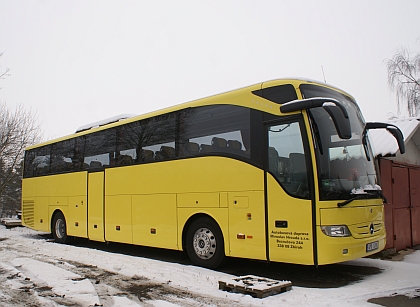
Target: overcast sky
<point x="77" y="62"/>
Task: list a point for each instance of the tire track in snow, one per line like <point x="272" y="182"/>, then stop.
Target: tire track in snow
<point x="110" y="287"/>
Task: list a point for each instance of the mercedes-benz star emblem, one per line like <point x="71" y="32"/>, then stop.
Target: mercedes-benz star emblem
<point x="371" y="229"/>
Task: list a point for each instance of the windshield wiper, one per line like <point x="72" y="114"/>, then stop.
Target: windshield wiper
<point x="379" y="193"/>
<point x="364" y="196"/>
<point x="346" y="202"/>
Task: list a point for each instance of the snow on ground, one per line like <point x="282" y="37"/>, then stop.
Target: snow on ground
<point x="37" y="272"/>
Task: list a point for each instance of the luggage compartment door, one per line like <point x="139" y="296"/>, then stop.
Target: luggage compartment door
<point x="96" y="206"/>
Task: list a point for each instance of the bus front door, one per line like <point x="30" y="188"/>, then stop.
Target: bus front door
<point x="289" y="205"/>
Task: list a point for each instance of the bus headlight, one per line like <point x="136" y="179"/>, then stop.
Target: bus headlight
<point x="336" y="231"/>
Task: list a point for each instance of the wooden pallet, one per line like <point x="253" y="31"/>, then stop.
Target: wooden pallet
<point x="11" y="222"/>
<point x="255" y="286"/>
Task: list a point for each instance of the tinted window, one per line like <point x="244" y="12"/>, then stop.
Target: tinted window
<point x="147" y="140"/>
<point x="286" y="158"/>
<point x="219" y="129"/>
<point x="37" y="162"/>
<point x="62" y="156"/>
<point x="100" y="149"/>
<point x="215" y="129"/>
<point x="279" y="94"/>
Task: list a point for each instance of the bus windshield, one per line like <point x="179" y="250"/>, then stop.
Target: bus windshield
<point x="343" y="166"/>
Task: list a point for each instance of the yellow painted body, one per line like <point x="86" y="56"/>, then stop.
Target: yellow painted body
<point x="96" y="213"/>
<point x="357" y="216"/>
<point x="151" y="204"/>
<point x="159" y="204"/>
<point x="293" y="244"/>
<point x="65" y="192"/>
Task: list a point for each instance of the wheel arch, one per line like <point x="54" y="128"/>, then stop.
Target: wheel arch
<point x="56" y="211"/>
<point x="194" y="217"/>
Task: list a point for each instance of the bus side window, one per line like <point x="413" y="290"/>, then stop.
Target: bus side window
<point x="286" y="158"/>
<point x="37" y="162"/>
<point x="215" y="129"/>
<point x="62" y="156"/>
<point x="29" y="165"/>
<point x="98" y="147"/>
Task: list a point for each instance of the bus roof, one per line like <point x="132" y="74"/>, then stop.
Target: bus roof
<point x="214" y="99"/>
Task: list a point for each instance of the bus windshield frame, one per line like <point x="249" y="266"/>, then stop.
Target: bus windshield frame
<point x="344" y="166"/>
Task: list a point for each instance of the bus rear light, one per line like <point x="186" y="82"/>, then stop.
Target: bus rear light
<point x="336" y="231"/>
<point x="153" y="231"/>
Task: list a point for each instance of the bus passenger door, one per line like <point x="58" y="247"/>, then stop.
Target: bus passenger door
<point x="289" y="205"/>
<point x="96" y="206"/>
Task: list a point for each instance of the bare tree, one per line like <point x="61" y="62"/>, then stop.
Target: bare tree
<point x="18" y="129"/>
<point x="404" y="80"/>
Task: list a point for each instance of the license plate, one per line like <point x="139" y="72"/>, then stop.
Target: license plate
<point x="372" y="246"/>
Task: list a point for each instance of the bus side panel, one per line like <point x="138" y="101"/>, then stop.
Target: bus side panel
<point x="35" y="213"/>
<point x="41" y="214"/>
<point x="206" y="180"/>
<point x="154" y="220"/>
<point x="69" y="190"/>
<point x="289" y="226"/>
<point x="246" y="224"/>
<point x="77" y="224"/>
<point x="96" y="206"/>
<point x="118" y="227"/>
<point x="198" y="200"/>
<point x="196" y="175"/>
<point x="52" y="193"/>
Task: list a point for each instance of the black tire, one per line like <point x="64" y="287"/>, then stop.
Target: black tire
<point x="204" y="242"/>
<point x="59" y="228"/>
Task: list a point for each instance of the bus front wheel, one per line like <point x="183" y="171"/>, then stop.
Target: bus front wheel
<point x="59" y="229"/>
<point x="205" y="245"/>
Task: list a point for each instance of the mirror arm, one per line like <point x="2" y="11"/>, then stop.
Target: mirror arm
<point x="394" y="130"/>
<point x="335" y="109"/>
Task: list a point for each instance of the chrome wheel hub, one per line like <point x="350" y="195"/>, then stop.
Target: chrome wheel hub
<point x="204" y="243"/>
<point x="60" y="228"/>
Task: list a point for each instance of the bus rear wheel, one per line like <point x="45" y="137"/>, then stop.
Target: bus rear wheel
<point x="205" y="245"/>
<point x="59" y="228"/>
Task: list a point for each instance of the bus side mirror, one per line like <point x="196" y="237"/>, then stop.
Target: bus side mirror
<point x="335" y="109"/>
<point x="394" y="130"/>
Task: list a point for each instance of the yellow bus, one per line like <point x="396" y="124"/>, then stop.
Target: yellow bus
<point x="278" y="171"/>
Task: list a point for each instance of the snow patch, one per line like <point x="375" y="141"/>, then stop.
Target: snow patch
<point x="367" y="187"/>
<point x="396" y="277"/>
<point x="62" y="282"/>
<point x="104" y="122"/>
<point x="122" y="301"/>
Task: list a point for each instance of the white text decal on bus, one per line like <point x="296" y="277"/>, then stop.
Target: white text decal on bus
<point x="288" y="239"/>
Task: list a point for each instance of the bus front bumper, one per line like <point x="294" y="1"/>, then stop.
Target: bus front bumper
<point x="340" y="249"/>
